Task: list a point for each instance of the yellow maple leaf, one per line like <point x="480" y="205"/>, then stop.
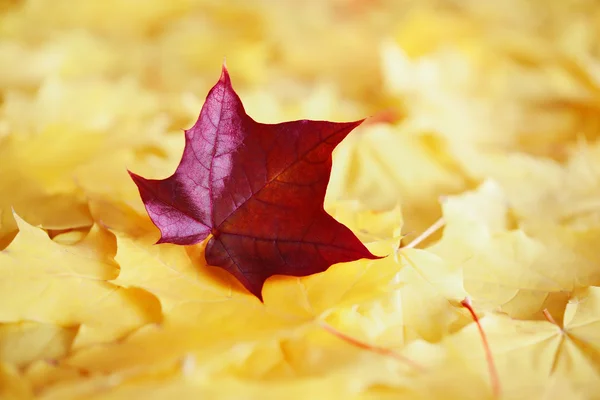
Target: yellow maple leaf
<point x="542" y="191"/>
<point x="68" y="285"/>
<point x="541" y="350"/>
<point x="505" y="267"/>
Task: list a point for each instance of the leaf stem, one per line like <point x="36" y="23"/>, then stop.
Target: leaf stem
<point x="495" y="380"/>
<point x="426" y="233"/>
<point x="549" y="316"/>
<point x="376" y="349"/>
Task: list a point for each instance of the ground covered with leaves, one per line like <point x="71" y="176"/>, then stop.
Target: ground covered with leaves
<point x="485" y="118"/>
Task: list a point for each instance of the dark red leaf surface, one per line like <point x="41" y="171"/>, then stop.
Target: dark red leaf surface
<point x="258" y="189"/>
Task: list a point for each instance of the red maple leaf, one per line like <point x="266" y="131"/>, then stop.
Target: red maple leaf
<point x="258" y="189"/>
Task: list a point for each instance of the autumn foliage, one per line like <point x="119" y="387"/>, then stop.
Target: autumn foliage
<point x="257" y="190"/>
<point x="465" y="208"/>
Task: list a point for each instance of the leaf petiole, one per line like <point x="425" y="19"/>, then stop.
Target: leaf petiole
<point x="495" y="380"/>
<point x="376" y="349"/>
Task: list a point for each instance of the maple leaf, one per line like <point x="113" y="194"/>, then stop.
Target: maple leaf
<point x="541" y="349"/>
<point x="258" y="189"/>
<point x="40" y="278"/>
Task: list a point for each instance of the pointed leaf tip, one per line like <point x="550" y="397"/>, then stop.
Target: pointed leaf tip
<point x="358" y="123"/>
<point x="224" y="74"/>
<point x="23" y="225"/>
<point x="134" y="176"/>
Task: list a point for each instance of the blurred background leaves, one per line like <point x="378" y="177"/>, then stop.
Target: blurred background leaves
<point x="485" y="112"/>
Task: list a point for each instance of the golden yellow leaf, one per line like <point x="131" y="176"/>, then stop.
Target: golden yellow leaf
<point x="32" y="191"/>
<point x="170" y="274"/>
<point x="68" y="285"/>
<point x="509" y="268"/>
<point x="384" y="165"/>
<point x="542" y="191"/>
<point x="380" y="230"/>
<point x="541" y="350"/>
<point x="24" y="342"/>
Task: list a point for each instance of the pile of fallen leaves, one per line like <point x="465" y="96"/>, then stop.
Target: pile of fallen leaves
<point x="477" y="176"/>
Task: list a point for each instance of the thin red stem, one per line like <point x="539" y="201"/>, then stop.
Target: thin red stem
<point x="494" y="379"/>
<point x="376" y="349"/>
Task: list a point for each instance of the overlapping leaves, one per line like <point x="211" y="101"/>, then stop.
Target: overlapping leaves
<point x="489" y="121"/>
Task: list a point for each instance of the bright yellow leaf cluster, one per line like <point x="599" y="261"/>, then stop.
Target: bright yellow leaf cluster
<point x="485" y="114"/>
